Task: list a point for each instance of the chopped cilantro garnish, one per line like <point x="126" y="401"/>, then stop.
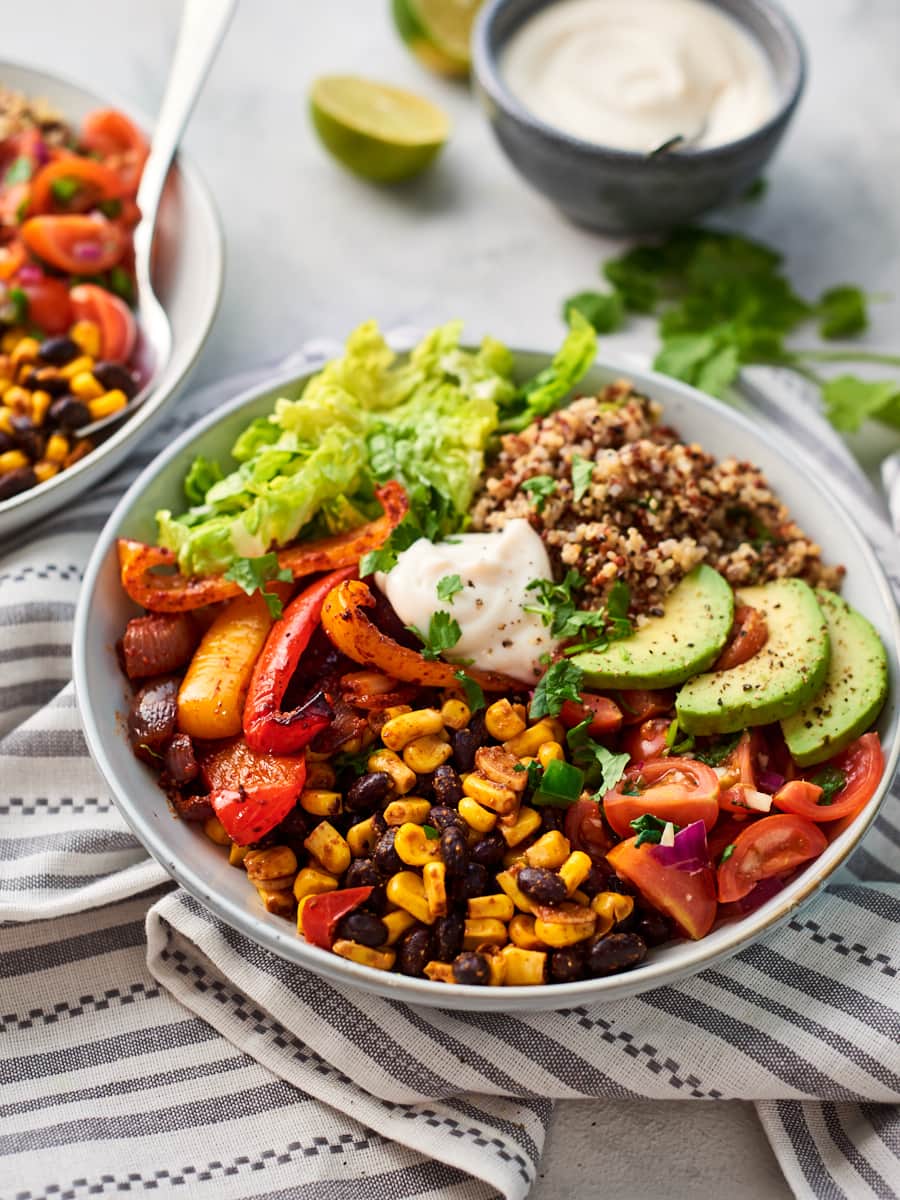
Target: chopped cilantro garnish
<point x="604" y="310"/>
<point x="831" y="780"/>
<point x="556" y="607"/>
<point x="716" y="754"/>
<point x="559" y="683"/>
<point x="675" y="744"/>
<point x="251" y="574"/>
<point x="64" y="189"/>
<point x="727" y="852"/>
<point x="443" y="634"/>
<point x="539" y="487"/>
<point x="448" y="586"/>
<point x="649" y="829"/>
<point x="474" y="693"/>
<point x="602" y="768"/>
<point x="582" y="474"/>
<point x="19" y="171"/>
<point x="430" y="832"/>
<point x="353" y="762"/>
<point x="19" y="300"/>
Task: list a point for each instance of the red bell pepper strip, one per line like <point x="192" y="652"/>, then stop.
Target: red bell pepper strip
<point x="177" y="593"/>
<point x="322" y="913"/>
<point x="251" y="793"/>
<point x="266" y="728"/>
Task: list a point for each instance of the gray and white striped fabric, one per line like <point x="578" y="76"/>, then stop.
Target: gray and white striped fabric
<point x="146" y="1047"/>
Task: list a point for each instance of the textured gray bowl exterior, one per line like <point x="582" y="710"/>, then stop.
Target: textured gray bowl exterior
<point x="202" y="868"/>
<point x="620" y="192"/>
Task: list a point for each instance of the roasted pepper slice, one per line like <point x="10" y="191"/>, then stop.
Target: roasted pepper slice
<point x="251" y="793"/>
<point x="322" y="913"/>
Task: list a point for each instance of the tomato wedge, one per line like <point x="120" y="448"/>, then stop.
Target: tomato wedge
<point x="637" y="704"/>
<point x="770" y="846"/>
<point x="322" y="913"/>
<point x="82" y="245"/>
<point x="688" y="897"/>
<point x="585" y="829"/>
<point x="680" y="790"/>
<point x="740" y="773"/>
<point x="748" y="636"/>
<point x="119" y="143"/>
<point x="604" y="714"/>
<point x="647" y="740"/>
<point x="49" y="306"/>
<point x="118" y="329"/>
<point x="72" y="184"/>
<point x="861" y="764"/>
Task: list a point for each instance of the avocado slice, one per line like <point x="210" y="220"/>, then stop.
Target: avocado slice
<point x="854" y="692"/>
<point x="778" y="681"/>
<point x="666" y="650"/>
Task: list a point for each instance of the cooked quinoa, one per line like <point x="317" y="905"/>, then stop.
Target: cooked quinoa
<point x="654" y="508"/>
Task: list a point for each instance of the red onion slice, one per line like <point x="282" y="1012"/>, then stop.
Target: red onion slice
<point x="689" y="852"/>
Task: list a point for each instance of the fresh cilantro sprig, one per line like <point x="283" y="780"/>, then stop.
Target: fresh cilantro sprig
<point x="715" y="754"/>
<point x="723" y="301"/>
<point x="559" y="683"/>
<point x="555" y="604"/>
<point x="831" y="780"/>
<point x="602" y="768"/>
<point x="474" y="693"/>
<point x="443" y="634"/>
<point x="448" y="586"/>
<point x="582" y="474"/>
<point x="252" y="574"/>
<point x="649" y="829"/>
<point x="539" y="489"/>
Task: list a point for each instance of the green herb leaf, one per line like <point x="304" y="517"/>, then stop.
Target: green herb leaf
<point x="634" y="283"/>
<point x="716" y="754"/>
<point x="539" y="487"/>
<point x="19" y="170"/>
<point x="674" y="744"/>
<point x="559" y="683"/>
<point x="474" y="694"/>
<point x="832" y="781"/>
<point x="603" y="769"/>
<point x="111" y="208"/>
<point x="122" y="284"/>
<point x="383" y="559"/>
<point x="64" y="189"/>
<point x="352" y="762"/>
<point x="727" y="852"/>
<point x="756" y="191"/>
<point x="430" y="833"/>
<point x="252" y="574"/>
<point x="448" y="586"/>
<point x="443" y="634"/>
<point x="842" y="312"/>
<point x="649" y="829"/>
<point x="582" y="474"/>
<point x="604" y="310"/>
<point x="849" y="401"/>
<point x="549" y="387"/>
<point x="19" y="300"/>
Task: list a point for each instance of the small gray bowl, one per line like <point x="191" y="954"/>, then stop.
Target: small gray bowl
<point x="619" y="191"/>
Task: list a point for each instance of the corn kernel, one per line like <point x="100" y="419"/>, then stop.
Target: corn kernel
<point x="498" y="905"/>
<point x="440" y="972"/>
<point x="10" y="340"/>
<point x="396" y="710"/>
<point x="580" y="897"/>
<point x="413" y="847"/>
<point x="40" y="404"/>
<point x="320" y="803"/>
<point x="215" y="831"/>
<point x="481" y="931"/>
<point x="57" y="448"/>
<point x="401" y="730"/>
<point x="565" y="927"/>
<point x="513" y="857"/>
<point x="5" y="385"/>
<point x="550" y="752"/>
<point x="507" y="880"/>
<point x="82" y="447"/>
<point x="327" y="845"/>
<point x="575" y="870"/>
<point x="496" y="964"/>
<point x="86" y="336"/>
<point x="611" y="909"/>
<point x="500" y="767"/>
<point x="398" y="812"/>
<point x="361" y="837"/>
<point x="407" y="891"/>
<point x="320" y="776"/>
<point x="521" y="932"/>
<point x="313" y="882"/>
<point x="389" y="763"/>
<point x="524" y="968"/>
<point x="82" y="365"/>
<point x="45" y="470"/>
<point x="455" y="714"/>
<point x="480" y="819"/>
<point x="25" y="351"/>
<point x="237" y="854"/>
<point x="530" y="740"/>
<point x="270" y="863"/>
<point x="19" y="400"/>
<point x="527" y="822"/>
<point x="6" y="420"/>
<point x="426" y="754"/>
<point x="489" y="794"/>
<point x="85" y="386"/>
<point x="397" y="923"/>
<point x="434" y="880"/>
<point x="550" y="851"/>
<point x="106" y="405"/>
<point x="279" y="902"/>
<point x="502" y="722"/>
<point x="381" y="960"/>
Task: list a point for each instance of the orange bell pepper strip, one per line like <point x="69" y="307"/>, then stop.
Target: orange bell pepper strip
<point x="348" y="627"/>
<point x="266" y="728"/>
<point x="178" y="593"/>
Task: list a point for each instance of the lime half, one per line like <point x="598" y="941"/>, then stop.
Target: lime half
<point x="380" y="132"/>
<point x="438" y="32"/>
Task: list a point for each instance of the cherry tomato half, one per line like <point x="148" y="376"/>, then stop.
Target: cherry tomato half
<point x="72" y="184"/>
<point x="688" y="897"/>
<point x="604" y="714"/>
<point x="585" y="829"/>
<point x="49" y="306"/>
<point x="119" y="143"/>
<point x="748" y="636"/>
<point x="12" y="256"/>
<point x="118" y="330"/>
<point x="647" y="740"/>
<point x="862" y="765"/>
<point x="771" y="846"/>
<point x="740" y="772"/>
<point x="680" y="790"/>
<point x="637" y="704"/>
<point x="82" y="245"/>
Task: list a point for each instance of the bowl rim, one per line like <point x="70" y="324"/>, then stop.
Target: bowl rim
<point x="695" y="955"/>
<point x="487" y="71"/>
<point x="211" y="219"/>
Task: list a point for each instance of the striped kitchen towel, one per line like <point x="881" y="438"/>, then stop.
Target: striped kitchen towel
<point x="150" y="1048"/>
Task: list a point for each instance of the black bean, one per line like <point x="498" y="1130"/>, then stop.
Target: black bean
<point x="447" y="786"/>
<point x="45" y="379"/>
<point x="546" y="887"/>
<point x="361" y="873"/>
<point x="425" y="786"/>
<point x="615" y="952"/>
<point x="599" y="876"/>
<point x="616" y="883"/>
<point x="653" y="927"/>
<point x="6" y="442"/>
<point x="18" y="480"/>
<point x="454" y="851"/>
<point x="471" y="968"/>
<point x="552" y="818"/>
<point x="294" y="827"/>
<point x="466" y="744"/>
<point x="114" y="375"/>
<point x="386" y="858"/>
<point x="58" y="351"/>
<point x="448" y="936"/>
<point x="489" y="849"/>
<point x="442" y="818"/>
<point x="28" y="437"/>
<point x="566" y="965"/>
<point x="68" y="412"/>
<point x="414" y="951"/>
<point x="368" y="792"/>
<point x="362" y="927"/>
<point x="473" y="883"/>
<point x="379" y="824"/>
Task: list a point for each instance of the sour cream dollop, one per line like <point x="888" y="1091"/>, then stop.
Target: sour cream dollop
<point x="634" y="73"/>
<point x="494" y="569"/>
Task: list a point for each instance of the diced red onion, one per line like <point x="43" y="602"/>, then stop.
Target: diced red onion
<point x="689" y="852"/>
<point x="41" y="153"/>
<point x="87" y="252"/>
<point x="769" y="781"/>
<point x="30" y="273"/>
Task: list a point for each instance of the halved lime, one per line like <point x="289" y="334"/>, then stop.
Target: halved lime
<point x="380" y="132"/>
<point x="438" y="32"/>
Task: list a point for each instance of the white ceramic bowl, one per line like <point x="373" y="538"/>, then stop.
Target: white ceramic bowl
<point x="189" y="268"/>
<point x="197" y="864"/>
